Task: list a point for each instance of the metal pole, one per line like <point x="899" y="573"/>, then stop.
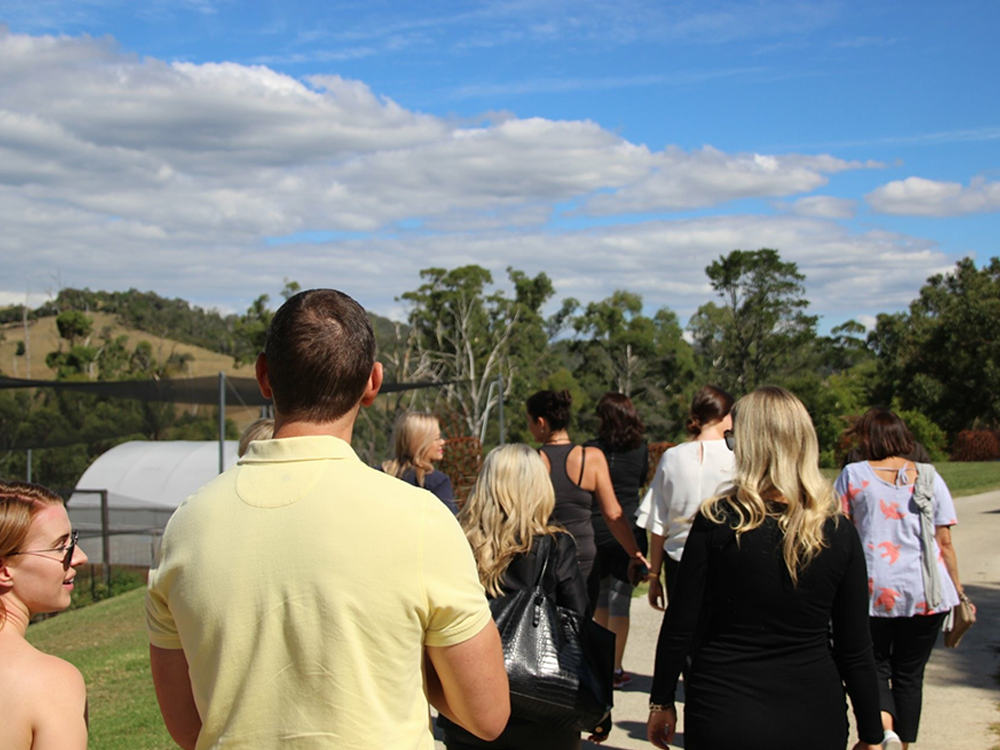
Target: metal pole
<point x="106" y="538"/>
<point x="29" y="464"/>
<point x="222" y="421"/>
<point x="500" y="384"/>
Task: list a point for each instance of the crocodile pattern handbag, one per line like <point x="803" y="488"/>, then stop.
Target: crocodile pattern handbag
<point x="559" y="663"/>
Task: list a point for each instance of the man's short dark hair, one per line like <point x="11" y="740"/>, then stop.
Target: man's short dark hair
<point x="881" y="434"/>
<point x="320" y="352"/>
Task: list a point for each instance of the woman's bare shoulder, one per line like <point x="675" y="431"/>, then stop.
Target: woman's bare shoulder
<point x="28" y="669"/>
<point x="45" y="696"/>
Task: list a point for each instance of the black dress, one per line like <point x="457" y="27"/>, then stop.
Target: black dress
<point x="628" y="470"/>
<point x="764" y="673"/>
<point x="562" y="578"/>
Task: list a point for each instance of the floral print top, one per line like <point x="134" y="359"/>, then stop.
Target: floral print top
<point x="888" y="522"/>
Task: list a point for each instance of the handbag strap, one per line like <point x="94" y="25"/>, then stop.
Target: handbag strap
<point x="923" y="498"/>
<point x="543" y="552"/>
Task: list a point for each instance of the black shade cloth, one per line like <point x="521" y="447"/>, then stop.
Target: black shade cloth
<point x="203" y="390"/>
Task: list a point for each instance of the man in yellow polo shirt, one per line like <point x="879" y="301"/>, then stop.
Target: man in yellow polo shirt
<point x="305" y="600"/>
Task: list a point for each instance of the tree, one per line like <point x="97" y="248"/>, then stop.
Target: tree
<point x="619" y="348"/>
<point x="761" y="329"/>
<point x="251" y="330"/>
<point x="476" y="339"/>
<point x="74" y="325"/>
<point x="942" y="357"/>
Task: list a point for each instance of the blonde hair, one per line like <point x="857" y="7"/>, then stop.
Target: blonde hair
<point x="20" y="502"/>
<point x="413" y="440"/>
<point x="509" y="506"/>
<point x="262" y="429"/>
<point x="777" y="474"/>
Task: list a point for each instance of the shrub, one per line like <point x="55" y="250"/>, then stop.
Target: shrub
<point x="828" y="459"/>
<point x="927" y="433"/>
<point x="975" y="445"/>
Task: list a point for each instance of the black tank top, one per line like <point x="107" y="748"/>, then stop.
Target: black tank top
<point x="573" y="503"/>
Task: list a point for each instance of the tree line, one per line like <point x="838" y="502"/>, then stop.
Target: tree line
<point x="490" y="340"/>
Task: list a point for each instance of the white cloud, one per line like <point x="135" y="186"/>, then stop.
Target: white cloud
<point x="681" y="180"/>
<point x="117" y="172"/>
<point x="868" y="321"/>
<point x="916" y="196"/>
<point x="821" y="207"/>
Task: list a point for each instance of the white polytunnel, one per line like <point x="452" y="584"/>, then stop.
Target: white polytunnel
<point x="144" y="481"/>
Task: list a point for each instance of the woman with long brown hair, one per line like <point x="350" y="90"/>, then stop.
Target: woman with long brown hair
<point x="769" y="564"/>
<point x="622" y="440"/>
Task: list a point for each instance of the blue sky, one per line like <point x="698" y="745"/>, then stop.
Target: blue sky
<point x="209" y="149"/>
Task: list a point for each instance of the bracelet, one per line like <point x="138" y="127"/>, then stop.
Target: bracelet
<point x="660" y="706"/>
<point x="963" y="597"/>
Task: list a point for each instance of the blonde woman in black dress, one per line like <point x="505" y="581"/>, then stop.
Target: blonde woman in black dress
<point x="767" y="567"/>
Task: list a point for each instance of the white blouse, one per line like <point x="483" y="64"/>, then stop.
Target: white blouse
<point x="684" y="478"/>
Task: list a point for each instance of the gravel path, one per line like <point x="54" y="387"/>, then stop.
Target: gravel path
<point x="960" y="685"/>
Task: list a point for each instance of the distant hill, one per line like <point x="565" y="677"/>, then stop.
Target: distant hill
<point x="171" y="325"/>
<point x="44" y="338"/>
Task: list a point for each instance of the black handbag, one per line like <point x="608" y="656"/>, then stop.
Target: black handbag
<point x="559" y="664"/>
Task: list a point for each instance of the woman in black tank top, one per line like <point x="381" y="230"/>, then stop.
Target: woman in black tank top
<point x="548" y="418"/>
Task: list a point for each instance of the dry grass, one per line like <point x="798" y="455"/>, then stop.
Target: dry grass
<point x="45" y="338"/>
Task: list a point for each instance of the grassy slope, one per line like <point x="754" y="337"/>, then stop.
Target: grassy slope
<point x="962" y="479"/>
<point x="108" y="643"/>
<point x="45" y="339"/>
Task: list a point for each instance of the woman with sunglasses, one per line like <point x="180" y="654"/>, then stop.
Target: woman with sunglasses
<point x="769" y="565"/>
<point x="45" y="700"/>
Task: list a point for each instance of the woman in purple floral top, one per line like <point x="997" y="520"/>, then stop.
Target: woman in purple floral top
<point x="904" y="513"/>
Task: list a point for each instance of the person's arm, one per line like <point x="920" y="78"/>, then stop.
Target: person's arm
<point x="467" y="683"/>
<point x="656" y="554"/>
<point x="943" y="537"/>
<point x="610" y="508"/>
<point x="678" y="631"/>
<point x="61" y="719"/>
<point x="175" y="696"/>
<point x="852" y="643"/>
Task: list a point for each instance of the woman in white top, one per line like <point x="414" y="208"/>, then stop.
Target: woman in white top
<point x="686" y="475"/>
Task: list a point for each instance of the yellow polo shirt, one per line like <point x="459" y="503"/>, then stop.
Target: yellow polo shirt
<point x="302" y="586"/>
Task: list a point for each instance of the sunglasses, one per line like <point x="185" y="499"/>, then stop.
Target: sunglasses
<point x="67" y="558"/>
<point x="729" y="438"/>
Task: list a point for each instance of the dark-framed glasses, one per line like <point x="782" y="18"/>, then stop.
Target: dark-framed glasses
<point x="729" y="438"/>
<point x="67" y="549"/>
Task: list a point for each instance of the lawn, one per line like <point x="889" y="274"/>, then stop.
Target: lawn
<point x="107" y="641"/>
<point x="962" y="478"/>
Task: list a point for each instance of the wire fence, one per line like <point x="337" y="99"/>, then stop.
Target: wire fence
<point x="116" y="534"/>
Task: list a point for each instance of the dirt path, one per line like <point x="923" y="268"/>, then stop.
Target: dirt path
<point x="960" y="686"/>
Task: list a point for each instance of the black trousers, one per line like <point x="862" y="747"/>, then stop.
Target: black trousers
<point x="670" y="568"/>
<point x="902" y="647"/>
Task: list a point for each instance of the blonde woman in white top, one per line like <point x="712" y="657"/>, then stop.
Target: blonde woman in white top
<point x="686" y="475"/>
